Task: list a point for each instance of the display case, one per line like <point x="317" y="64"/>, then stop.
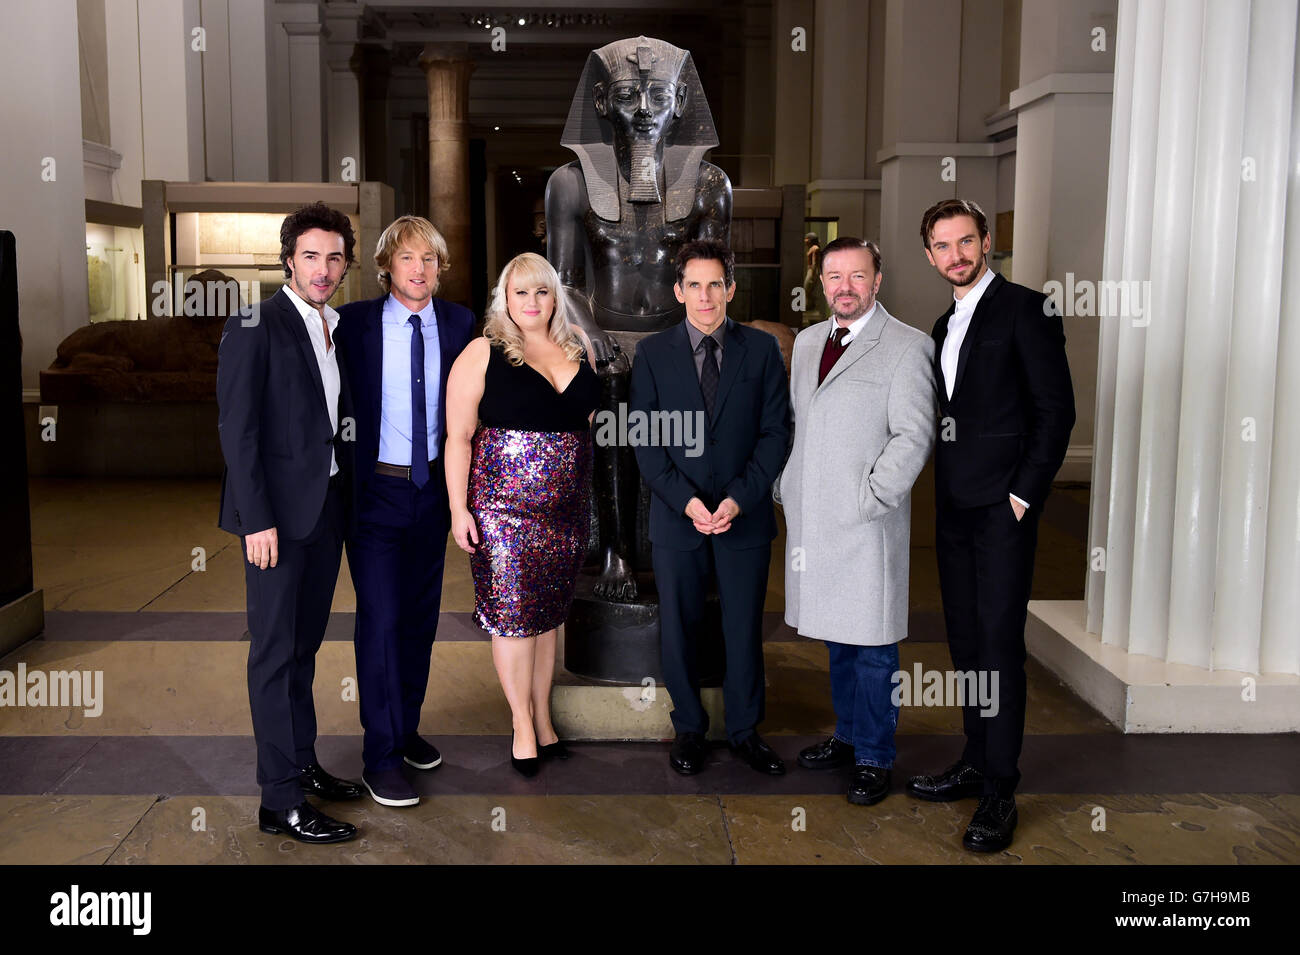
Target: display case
<point x="234" y="228"/>
<point x="114" y="262"/>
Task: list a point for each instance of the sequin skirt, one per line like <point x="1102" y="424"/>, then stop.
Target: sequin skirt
<point x="529" y="492"/>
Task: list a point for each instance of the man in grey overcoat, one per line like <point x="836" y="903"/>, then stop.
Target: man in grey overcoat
<point x="865" y="406"/>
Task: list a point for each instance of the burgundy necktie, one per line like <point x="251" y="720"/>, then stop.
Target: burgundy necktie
<point x="831" y="353"/>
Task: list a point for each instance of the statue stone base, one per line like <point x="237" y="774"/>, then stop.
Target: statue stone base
<point x="618" y="641"/>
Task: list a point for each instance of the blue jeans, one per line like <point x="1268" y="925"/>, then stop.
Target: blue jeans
<point x="861" y="691"/>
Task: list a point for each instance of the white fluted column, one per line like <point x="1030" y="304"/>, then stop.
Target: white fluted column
<point x="1252" y="368"/>
<point x="1209" y="299"/>
<point x="1121" y="135"/>
<point x="1200" y="517"/>
<point x="1279" y="641"/>
<point x="1135" y="266"/>
<point x="1162" y="373"/>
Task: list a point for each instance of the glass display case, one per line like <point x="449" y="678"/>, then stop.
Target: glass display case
<point x="115" y="272"/>
<point x="244" y="246"/>
<point x="234" y="228"/>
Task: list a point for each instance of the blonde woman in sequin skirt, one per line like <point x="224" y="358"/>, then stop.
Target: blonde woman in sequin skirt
<point x="518" y="460"/>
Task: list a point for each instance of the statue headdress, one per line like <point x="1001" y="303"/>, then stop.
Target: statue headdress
<point x="592" y="139"/>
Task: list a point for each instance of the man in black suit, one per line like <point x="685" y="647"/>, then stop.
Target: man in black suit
<point x="711" y="503"/>
<point x="397" y="352"/>
<point x="282" y="406"/>
<point x="1006" y="408"/>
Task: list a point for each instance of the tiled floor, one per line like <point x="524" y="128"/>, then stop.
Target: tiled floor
<point x="166" y="774"/>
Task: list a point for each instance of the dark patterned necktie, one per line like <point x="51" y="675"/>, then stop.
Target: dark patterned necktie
<point x="419" y="411"/>
<point x="709" y="373"/>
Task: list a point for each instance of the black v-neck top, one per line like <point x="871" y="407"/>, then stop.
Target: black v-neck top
<point x="520" y="398"/>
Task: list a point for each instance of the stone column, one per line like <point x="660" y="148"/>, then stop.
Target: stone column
<point x="373" y="66"/>
<point x="1202" y="542"/>
<point x="933" y="144"/>
<point x="447" y="68"/>
<point x="1062" y="105"/>
<point x="305" y="127"/>
<point x="838" y="184"/>
<point x="792" y="71"/>
<point x="1198" y="432"/>
<point x="1279" y="651"/>
<point x="343" y="93"/>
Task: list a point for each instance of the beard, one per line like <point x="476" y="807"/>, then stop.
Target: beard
<point x="851" y="312"/>
<point x="961" y="282"/>
<point x="644" y="172"/>
<point x="308" y="292"/>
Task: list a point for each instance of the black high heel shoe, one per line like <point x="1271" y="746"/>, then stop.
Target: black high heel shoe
<point x="556" y="750"/>
<point x="527" y="767"/>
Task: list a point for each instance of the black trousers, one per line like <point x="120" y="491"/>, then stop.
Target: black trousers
<point x="288" y="608"/>
<point x="986" y="567"/>
<point x="682" y="577"/>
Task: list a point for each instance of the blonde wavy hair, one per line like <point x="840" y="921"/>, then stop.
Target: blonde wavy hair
<point x="415" y="232"/>
<point x="529" y="270"/>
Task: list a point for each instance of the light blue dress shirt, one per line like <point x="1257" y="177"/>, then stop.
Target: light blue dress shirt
<point x="395" y="398"/>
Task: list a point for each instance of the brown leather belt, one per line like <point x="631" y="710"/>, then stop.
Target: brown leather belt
<point x="399" y="470"/>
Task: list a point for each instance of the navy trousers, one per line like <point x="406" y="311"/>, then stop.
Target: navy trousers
<point x="682" y="577"/>
<point x="396" y="559"/>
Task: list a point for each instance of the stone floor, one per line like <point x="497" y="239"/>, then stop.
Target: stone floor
<point x="166" y="773"/>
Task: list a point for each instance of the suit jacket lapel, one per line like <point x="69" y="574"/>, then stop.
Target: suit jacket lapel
<point x="372" y="366"/>
<point x="444" y="361"/>
<point x="866" y="340"/>
<point x="298" y="328"/>
<point x="733" y="356"/>
<point x="973" y="330"/>
<point x="685" y="360"/>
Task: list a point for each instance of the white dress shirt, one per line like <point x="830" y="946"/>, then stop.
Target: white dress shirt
<point x="958" y="326"/>
<point x="854" y="327"/>
<point x="327" y="359"/>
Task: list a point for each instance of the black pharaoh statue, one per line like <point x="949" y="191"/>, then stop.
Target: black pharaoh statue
<point x="640" y="127"/>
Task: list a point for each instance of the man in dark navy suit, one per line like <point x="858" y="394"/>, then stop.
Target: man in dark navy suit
<point x="1006" y="408"/>
<point x="283" y="405"/>
<point x="711" y="504"/>
<point x="398" y="350"/>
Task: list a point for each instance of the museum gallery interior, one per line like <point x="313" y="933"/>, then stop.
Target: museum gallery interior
<point x="1138" y="162"/>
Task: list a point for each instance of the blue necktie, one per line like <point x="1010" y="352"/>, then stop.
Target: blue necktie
<point x="419" y="412"/>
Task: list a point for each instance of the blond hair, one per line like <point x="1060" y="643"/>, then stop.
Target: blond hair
<point x="409" y="230"/>
<point x="529" y="270"/>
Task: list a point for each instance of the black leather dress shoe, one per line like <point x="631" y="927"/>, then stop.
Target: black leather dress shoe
<point x="831" y="753"/>
<point x="316" y="782"/>
<point x="688" y="753"/>
<point x="305" y="823"/>
<point x="870" y="785"/>
<point x="759" y="755"/>
<point x="421" y="754"/>
<point x="991" y="828"/>
<point x="961" y="780"/>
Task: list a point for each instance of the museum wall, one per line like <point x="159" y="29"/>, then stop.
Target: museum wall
<point x="279" y="92"/>
<point x="43" y="196"/>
